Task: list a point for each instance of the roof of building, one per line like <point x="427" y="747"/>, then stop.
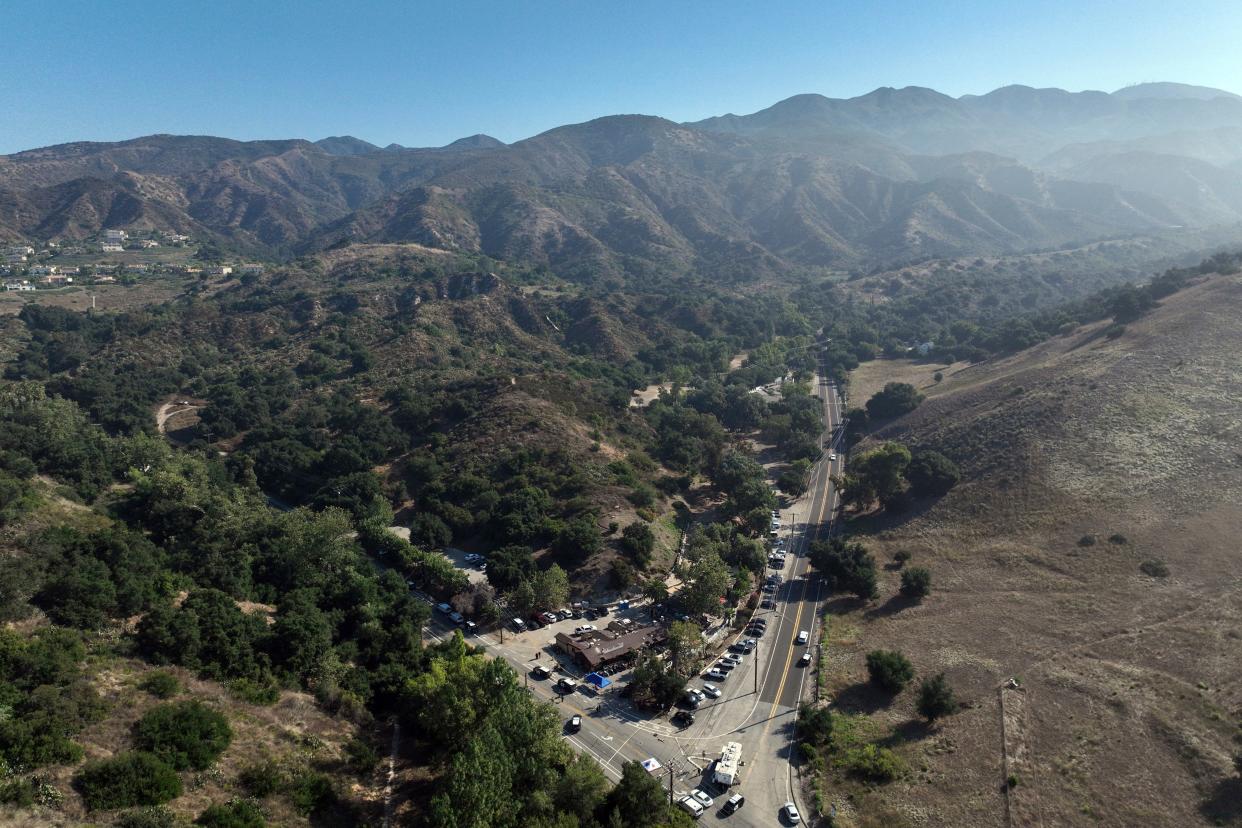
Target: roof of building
<point x="600" y="646"/>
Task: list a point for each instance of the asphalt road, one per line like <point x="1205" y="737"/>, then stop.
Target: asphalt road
<point x="760" y="699"/>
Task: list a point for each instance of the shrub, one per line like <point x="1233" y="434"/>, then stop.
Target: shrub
<point x="1155" y="568"/>
<point x="932" y="474"/>
<point x="1117" y="538"/>
<point x="873" y="763"/>
<point x="183" y="734"/>
<point x="889" y="669"/>
<point x="160" y="684"/>
<point x="936" y="698"/>
<point x="360" y="755"/>
<point x="19" y="792"/>
<point x="156" y="817"/>
<point x="254" y="692"/>
<point x="916" y="582"/>
<point x="311" y="792"/>
<point x="235" y="814"/>
<point x="1087" y="540"/>
<point x="126" y="781"/>
<point x="901" y="557"/>
<point x="261" y="779"/>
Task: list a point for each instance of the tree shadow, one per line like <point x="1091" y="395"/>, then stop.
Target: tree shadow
<point x="912" y="730"/>
<point x="1224" y="806"/>
<point x="892" y="606"/>
<point x="883" y="520"/>
<point x="861" y="697"/>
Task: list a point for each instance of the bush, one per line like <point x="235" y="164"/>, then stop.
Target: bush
<point x="160" y="684"/>
<point x="126" y="781"/>
<point x="873" y="764"/>
<point x="1087" y="540"/>
<point x="901" y="557"/>
<point x="889" y="669"/>
<point x="931" y="474"/>
<point x="254" y="692"/>
<point x="261" y="779"/>
<point x="183" y="734"/>
<point x="936" y="698"/>
<point x="157" y="817"/>
<point x="361" y="756"/>
<point x="896" y="399"/>
<point x="1154" y="568"/>
<point x="311" y="792"/>
<point x="916" y="582"/>
<point x="235" y="814"/>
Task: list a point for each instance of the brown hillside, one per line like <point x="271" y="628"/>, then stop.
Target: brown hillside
<point x="1084" y="461"/>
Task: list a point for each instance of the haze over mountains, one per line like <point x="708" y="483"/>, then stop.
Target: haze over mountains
<point x="890" y="176"/>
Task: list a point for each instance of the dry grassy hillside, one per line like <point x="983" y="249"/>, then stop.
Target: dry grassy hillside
<point x="1090" y="466"/>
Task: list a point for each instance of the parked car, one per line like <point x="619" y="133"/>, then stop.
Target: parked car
<point x="703" y="797"/>
<point x="471" y="557"/>
<point x="716" y="674"/>
<point x="456" y="617"/>
<point x="471" y="628"/>
<point x="518" y="625"/>
<point x="693" y="698"/>
<point x="768" y="603"/>
<point x="540" y="672"/>
<point x="691" y="806"/>
<point x="711" y="690"/>
<point x="591" y="615"/>
<point x="564" y="614"/>
<point x="683" y="717"/>
<point x="791" y="812"/>
<point x="566" y="685"/>
<point x="734" y="803"/>
<point x="749" y="645"/>
<point x="444" y="608"/>
<point x="584" y="628"/>
<point x="534" y="623"/>
<point x="575" y="723"/>
<point x="737" y="647"/>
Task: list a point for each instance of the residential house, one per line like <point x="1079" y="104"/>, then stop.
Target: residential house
<point x="57" y="279"/>
<point x="115" y="235"/>
<point x="18" y="286"/>
<point x="254" y="269"/>
<point x="218" y="270"/>
<point x="112" y="247"/>
<point x="14" y="258"/>
<point x="147" y="244"/>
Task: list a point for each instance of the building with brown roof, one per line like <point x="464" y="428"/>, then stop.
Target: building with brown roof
<point x="599" y="648"/>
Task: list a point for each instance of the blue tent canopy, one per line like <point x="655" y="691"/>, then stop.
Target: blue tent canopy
<point x="599" y="681"/>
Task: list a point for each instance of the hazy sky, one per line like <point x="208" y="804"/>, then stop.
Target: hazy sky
<point x="423" y="74"/>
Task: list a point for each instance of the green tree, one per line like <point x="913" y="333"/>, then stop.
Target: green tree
<point x="877" y="474"/>
<point x="889" y="669"/>
<point x="581" y="789"/>
<point x="708" y="580"/>
<point x="638" y="539"/>
<point x="685" y="645"/>
<point x="916" y="582"/>
<point x="936" y="698"/>
<point x="578" y="540"/>
<point x="551" y="588"/>
<point x="896" y="399"/>
<point x="794" y="479"/>
<point x="846" y="566"/>
<point x="931" y="474"/>
<point x="302" y="634"/>
<point x="509" y="566"/>
<point x="638" y="798"/>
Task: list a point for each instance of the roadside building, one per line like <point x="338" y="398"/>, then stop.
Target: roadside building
<point x="600" y="648"/>
<point x="23" y="286"/>
<point x="112" y="247"/>
<point x="115" y="235"/>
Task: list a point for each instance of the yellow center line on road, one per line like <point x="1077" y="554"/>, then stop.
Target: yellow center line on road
<point x="827" y="470"/>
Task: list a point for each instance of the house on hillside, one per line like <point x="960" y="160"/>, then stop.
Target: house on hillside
<point x="18" y="286"/>
<point x="218" y="270"/>
<point x="115" y="235"/>
<point x="147" y="244"/>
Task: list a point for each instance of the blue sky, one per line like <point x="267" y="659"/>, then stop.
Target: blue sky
<point x="423" y="74"/>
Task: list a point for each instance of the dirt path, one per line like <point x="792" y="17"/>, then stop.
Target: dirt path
<point x="168" y="409"/>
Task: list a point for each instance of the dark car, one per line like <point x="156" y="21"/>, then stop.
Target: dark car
<point x="591" y="615"/>
<point x="534" y="623"/>
<point x="574" y="724"/>
<point x="540" y="672"/>
<point x="684" y="718"/>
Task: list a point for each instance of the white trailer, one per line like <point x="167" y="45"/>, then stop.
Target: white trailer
<point x="726" y="771"/>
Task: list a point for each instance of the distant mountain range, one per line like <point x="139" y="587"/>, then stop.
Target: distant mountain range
<point x="893" y="175"/>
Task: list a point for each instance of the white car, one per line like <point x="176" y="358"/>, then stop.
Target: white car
<point x="803" y="636"/>
<point x="584" y="628"/>
<point x="791" y="813"/>
<point x="703" y="797"/>
<point x="832" y="458"/>
<point x="712" y="690"/>
<point x="716" y="674"/>
<point x="735" y="659"/>
<point x="691" y="806"/>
